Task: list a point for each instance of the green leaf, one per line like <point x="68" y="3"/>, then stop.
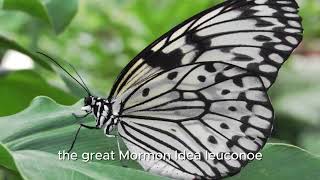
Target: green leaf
<point x="33" y="164"/>
<point x="281" y="161"/>
<point x="8" y="169"/>
<point x="6" y="43"/>
<point x="57" y="13"/>
<point x="32" y="7"/>
<point x="8" y="174"/>
<point x="32" y="139"/>
<point x="6" y="160"/>
<point x="20" y="87"/>
<point x="50" y="127"/>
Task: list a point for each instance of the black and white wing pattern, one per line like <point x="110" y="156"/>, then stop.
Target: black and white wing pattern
<point x="205" y="107"/>
<point x="202" y="87"/>
<point x="258" y="35"/>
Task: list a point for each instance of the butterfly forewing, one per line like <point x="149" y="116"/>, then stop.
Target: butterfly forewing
<point x="258" y="35"/>
<point x="203" y="107"/>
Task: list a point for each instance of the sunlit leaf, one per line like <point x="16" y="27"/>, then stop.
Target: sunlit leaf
<point x="6" y="43"/>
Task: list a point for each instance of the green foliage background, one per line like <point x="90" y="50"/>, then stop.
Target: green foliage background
<point x="99" y="38"/>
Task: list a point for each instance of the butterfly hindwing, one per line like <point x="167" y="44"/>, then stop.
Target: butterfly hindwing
<point x="258" y="35"/>
<point x="206" y="107"/>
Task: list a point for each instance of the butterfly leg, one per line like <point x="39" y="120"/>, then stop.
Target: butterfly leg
<point x="119" y="148"/>
<point x="124" y="163"/>
<point x="77" y="133"/>
<point x="80" y="116"/>
<point x="108" y="129"/>
<point x="110" y="135"/>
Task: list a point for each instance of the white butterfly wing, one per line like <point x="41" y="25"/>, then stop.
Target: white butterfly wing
<point x="203" y="107"/>
<point x="201" y="87"/>
<point x="258" y="35"/>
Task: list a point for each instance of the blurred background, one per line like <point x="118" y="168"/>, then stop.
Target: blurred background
<point x="100" y="37"/>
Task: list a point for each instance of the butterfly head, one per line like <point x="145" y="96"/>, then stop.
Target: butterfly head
<point x="89" y="102"/>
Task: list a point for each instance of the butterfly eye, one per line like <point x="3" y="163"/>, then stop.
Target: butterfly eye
<point x="87" y="101"/>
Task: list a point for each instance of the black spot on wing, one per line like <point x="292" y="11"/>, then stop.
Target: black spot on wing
<point x="230" y="144"/>
<point x="226" y="49"/>
<point x="202" y="78"/>
<point x="242" y="57"/>
<point x="198" y="41"/>
<point x="262" y="38"/>
<point x="224" y="126"/>
<point x="163" y="60"/>
<point x="248" y="13"/>
<point x="263" y="23"/>
<point x="238" y="82"/>
<point x="172" y="75"/>
<point x="210" y="68"/>
<point x="244" y="126"/>
<point x="212" y="139"/>
<point x="145" y="92"/>
<point x="232" y="108"/>
<point x="225" y="91"/>
<point x="220" y="77"/>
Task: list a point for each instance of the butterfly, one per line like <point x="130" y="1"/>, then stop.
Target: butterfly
<point x="202" y="87"/>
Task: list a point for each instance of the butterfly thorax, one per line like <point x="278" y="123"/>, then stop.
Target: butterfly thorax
<point x="102" y="110"/>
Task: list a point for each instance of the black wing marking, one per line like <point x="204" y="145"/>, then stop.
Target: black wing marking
<point x="258" y="35"/>
<point x="203" y="107"/>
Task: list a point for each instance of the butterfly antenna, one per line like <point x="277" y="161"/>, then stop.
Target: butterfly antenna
<point x="79" y="77"/>
<point x="55" y="62"/>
